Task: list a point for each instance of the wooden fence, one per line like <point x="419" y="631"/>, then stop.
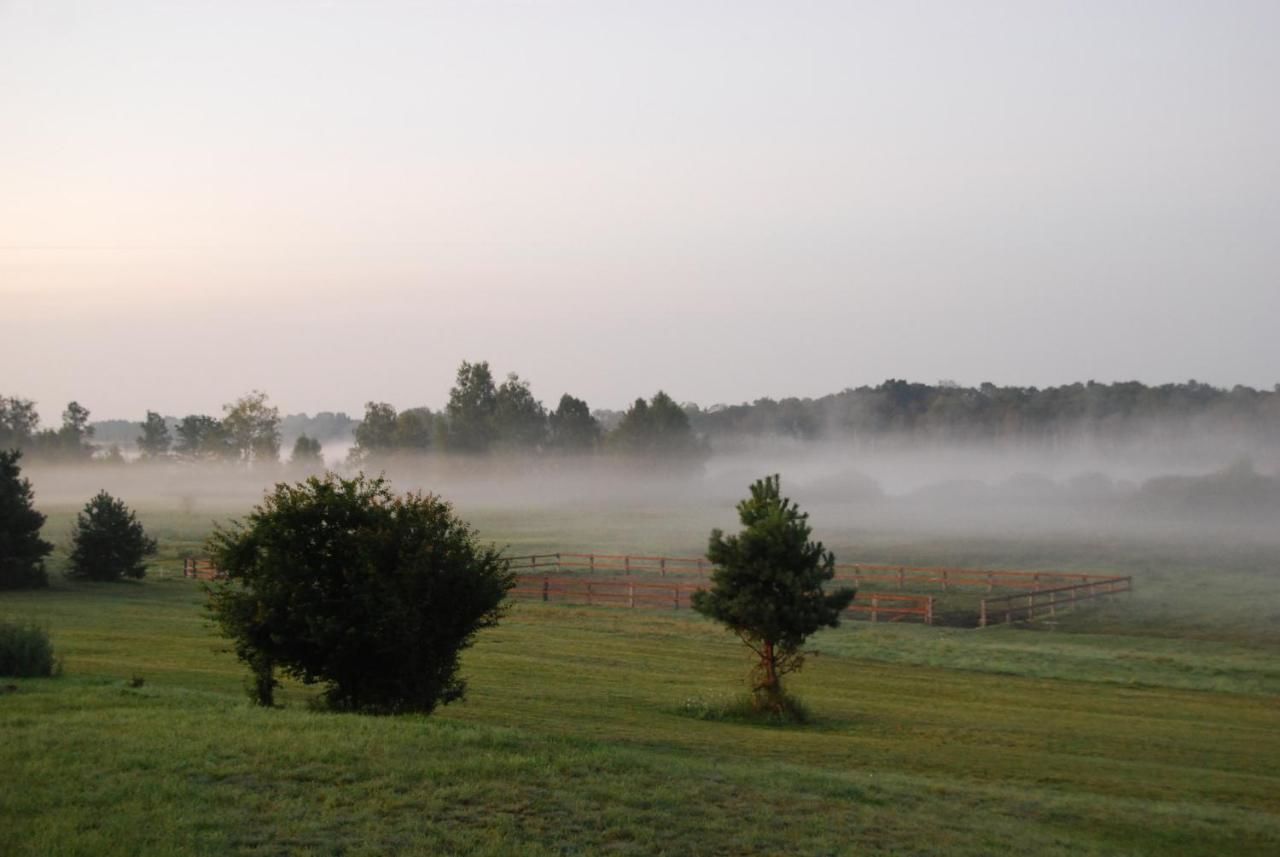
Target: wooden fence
<point x="959" y="578"/>
<point x="1039" y="603"/>
<point x="607" y="591"/>
<point x="901" y="576"/>
<point x="200" y="569"/>
<point x="1040" y="593"/>
<point x="635" y="594"/>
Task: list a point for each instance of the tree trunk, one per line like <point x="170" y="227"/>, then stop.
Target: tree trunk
<point x="768" y="689"/>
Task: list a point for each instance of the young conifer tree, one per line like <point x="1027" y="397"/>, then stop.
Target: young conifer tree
<point x="768" y="587"/>
<point x="22" y="551"/>
<point x="108" y="542"/>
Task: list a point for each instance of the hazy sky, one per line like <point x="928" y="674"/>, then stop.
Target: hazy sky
<point x="337" y="202"/>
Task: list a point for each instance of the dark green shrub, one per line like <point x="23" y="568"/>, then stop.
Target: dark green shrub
<point x="22" y="551"/>
<point x="338" y="582"/>
<point x="25" y="651"/>
<point x="107" y="542"/>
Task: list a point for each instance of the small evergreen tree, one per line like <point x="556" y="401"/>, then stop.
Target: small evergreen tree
<point x="767" y="587"/>
<point x="22" y="551"/>
<point x="107" y="541"/>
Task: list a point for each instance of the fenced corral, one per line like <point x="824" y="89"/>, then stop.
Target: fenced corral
<point x="645" y="584"/>
<point x="1036" y="595"/>
<point x="945" y="578"/>
<point x="200" y="569"/>
<point x="638" y="594"/>
<point x="632" y="564"/>
<point x="901" y="576"/>
<point x="1039" y="603"/>
<point x="609" y="591"/>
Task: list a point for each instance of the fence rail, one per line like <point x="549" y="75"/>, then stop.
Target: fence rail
<point x="903" y="576"/>
<point x="606" y="591"/>
<point x="631" y="593"/>
<point x="948" y="578"/>
<point x="200" y="569"/>
<point x="1024" y="606"/>
<point x="1040" y="593"/>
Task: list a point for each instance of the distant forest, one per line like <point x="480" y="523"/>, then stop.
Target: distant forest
<point x="1117" y="412"/>
<point x="484" y="416"/>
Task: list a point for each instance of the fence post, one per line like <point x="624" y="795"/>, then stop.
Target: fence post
<point x="591" y="559"/>
<point x="631" y="595"/>
<point x="1031" y="606"/>
<point x="900" y="578"/>
<point x="662" y="566"/>
<point x="626" y="564"/>
<point x="557" y="562"/>
<point x="982" y="613"/>
<point x="676" y="589"/>
<point x="928" y="611"/>
<point x="944" y="580"/>
<point x="546" y="588"/>
<point x="588" y="591"/>
<point x="875" y="603"/>
<point x="991" y="583"/>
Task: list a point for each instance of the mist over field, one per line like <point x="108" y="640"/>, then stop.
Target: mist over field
<point x="991" y="287"/>
<point x="1224" y="487"/>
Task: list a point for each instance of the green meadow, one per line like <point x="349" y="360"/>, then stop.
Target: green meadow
<point x="1144" y="725"/>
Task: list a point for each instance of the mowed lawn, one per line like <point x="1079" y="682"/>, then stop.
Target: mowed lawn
<point x="576" y="738"/>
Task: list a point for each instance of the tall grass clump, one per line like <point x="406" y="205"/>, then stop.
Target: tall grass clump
<point x="25" y="651"/>
<point x="746" y="708"/>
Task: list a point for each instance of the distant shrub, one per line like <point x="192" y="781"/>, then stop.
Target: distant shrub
<point x="25" y="651"/>
<point x="107" y="542"/>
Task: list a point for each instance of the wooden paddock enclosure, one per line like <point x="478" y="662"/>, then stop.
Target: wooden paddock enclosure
<point x="1036" y="594"/>
<point x="628" y="581"/>
<point x="637" y="594"/>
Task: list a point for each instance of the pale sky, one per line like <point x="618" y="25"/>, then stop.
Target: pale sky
<point x="338" y="202"/>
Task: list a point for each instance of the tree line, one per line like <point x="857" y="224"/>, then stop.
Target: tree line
<point x="485" y="417"/>
<point x="988" y="413"/>
<point x="482" y="417"/>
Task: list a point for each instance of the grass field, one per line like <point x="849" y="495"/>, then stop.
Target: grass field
<point x="1144" y="726"/>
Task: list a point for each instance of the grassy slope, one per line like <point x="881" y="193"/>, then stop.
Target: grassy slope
<point x="572" y="741"/>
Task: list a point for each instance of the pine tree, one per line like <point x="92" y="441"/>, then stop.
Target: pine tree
<point x="767" y="587"/>
<point x="22" y="551"/>
<point x="108" y="542"/>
